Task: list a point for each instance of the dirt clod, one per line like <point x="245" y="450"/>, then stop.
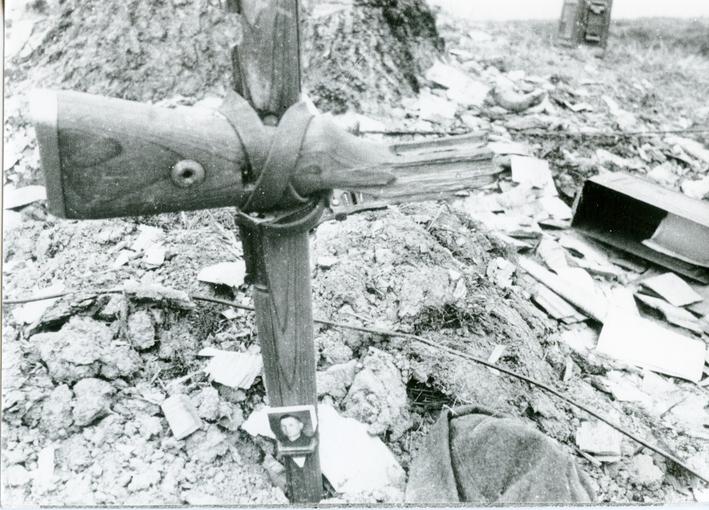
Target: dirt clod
<point x="378" y="395"/>
<point x="150" y="426"/>
<point x="16" y="476"/>
<point x="114" y="307"/>
<point x="141" y="330"/>
<point x="145" y="476"/>
<point x="336" y="379"/>
<point x="208" y="407"/>
<point x="230" y="417"/>
<point x="643" y="471"/>
<point x="57" y="412"/>
<point x="120" y="361"/>
<point x="423" y="288"/>
<point x="92" y="400"/>
<point x="206" y="446"/>
<point x="74" y="351"/>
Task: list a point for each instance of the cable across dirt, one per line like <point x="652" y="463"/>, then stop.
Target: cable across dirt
<point x="430" y="343"/>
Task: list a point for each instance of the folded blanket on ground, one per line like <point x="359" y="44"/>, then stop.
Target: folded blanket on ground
<point x="471" y="455"/>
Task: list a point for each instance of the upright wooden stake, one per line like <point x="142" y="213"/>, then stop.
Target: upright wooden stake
<point x="267" y="74"/>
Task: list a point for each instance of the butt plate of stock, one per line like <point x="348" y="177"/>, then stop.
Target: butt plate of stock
<point x="105" y="157"/>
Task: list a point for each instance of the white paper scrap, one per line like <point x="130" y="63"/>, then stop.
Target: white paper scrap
<point x="644" y="343"/>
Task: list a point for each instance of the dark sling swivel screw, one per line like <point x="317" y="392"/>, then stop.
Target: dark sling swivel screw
<point x="186" y="173"/>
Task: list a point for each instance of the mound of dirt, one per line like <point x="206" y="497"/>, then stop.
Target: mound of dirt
<point x="148" y="51"/>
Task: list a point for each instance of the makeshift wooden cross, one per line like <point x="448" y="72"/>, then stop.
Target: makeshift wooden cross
<point x="265" y="152"/>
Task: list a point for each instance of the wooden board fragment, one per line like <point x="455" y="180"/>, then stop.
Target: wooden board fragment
<point x="672" y="288"/>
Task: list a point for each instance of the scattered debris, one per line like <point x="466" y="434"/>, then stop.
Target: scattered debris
<point x="32" y="312"/>
<point x="234" y="369"/>
<point x="181" y="415"/>
<point x="583" y="254"/>
<point x="147" y="236"/>
<point x="625" y="120"/>
<point x="698" y="189"/>
<point x="154" y="255"/>
<point x="571" y="291"/>
<point x="509" y="148"/>
<point x="506" y="97"/>
<point x="627" y="202"/>
<point x="555" y="306"/>
<point x="231" y="274"/>
<point x="643" y="471"/>
<point x="600" y="440"/>
<point x="158" y="294"/>
<point x="461" y="88"/>
<point x="619" y="385"/>
<point x="691" y="147"/>
<point x="435" y="108"/>
<point x="370" y="465"/>
<point x="501" y="271"/>
<point x="533" y="172"/>
<point x="13" y="198"/>
<point x="671" y="288"/>
<point x="642" y="342"/>
<point x="496" y="353"/>
<point x="673" y="314"/>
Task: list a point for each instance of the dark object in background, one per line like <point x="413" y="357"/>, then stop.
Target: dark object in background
<point x="473" y="456"/>
<point x="643" y="218"/>
<point x="585" y="22"/>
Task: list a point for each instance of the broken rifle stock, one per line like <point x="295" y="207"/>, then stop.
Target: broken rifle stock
<point x="104" y="157"/>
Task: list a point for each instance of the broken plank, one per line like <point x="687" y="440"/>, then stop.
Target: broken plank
<point x="672" y="288"/>
<point x="591" y="305"/>
<point x="672" y="314"/>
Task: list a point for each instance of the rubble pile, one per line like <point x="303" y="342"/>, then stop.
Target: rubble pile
<point x="129" y="392"/>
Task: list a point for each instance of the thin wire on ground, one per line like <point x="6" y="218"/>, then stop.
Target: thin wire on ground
<point x="430" y="343"/>
<point x="544" y="132"/>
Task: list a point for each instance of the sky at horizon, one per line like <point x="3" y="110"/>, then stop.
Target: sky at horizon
<point x="551" y="9"/>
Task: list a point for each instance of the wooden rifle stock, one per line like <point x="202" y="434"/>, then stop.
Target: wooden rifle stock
<point x="105" y="157"/>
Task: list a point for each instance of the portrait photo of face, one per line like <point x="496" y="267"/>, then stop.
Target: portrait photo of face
<point x="294" y="428"/>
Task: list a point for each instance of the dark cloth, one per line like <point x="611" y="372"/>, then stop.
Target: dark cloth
<point x="471" y="455"/>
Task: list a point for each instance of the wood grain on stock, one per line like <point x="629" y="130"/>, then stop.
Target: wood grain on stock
<point x="115" y="157"/>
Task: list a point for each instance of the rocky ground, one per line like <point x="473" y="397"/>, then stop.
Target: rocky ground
<point x="84" y="375"/>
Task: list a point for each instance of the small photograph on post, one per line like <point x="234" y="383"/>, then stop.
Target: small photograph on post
<point x="294" y="428"/>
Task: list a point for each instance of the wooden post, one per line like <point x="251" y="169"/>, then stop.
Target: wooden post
<point x="106" y="157"/>
<point x="267" y="74"/>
